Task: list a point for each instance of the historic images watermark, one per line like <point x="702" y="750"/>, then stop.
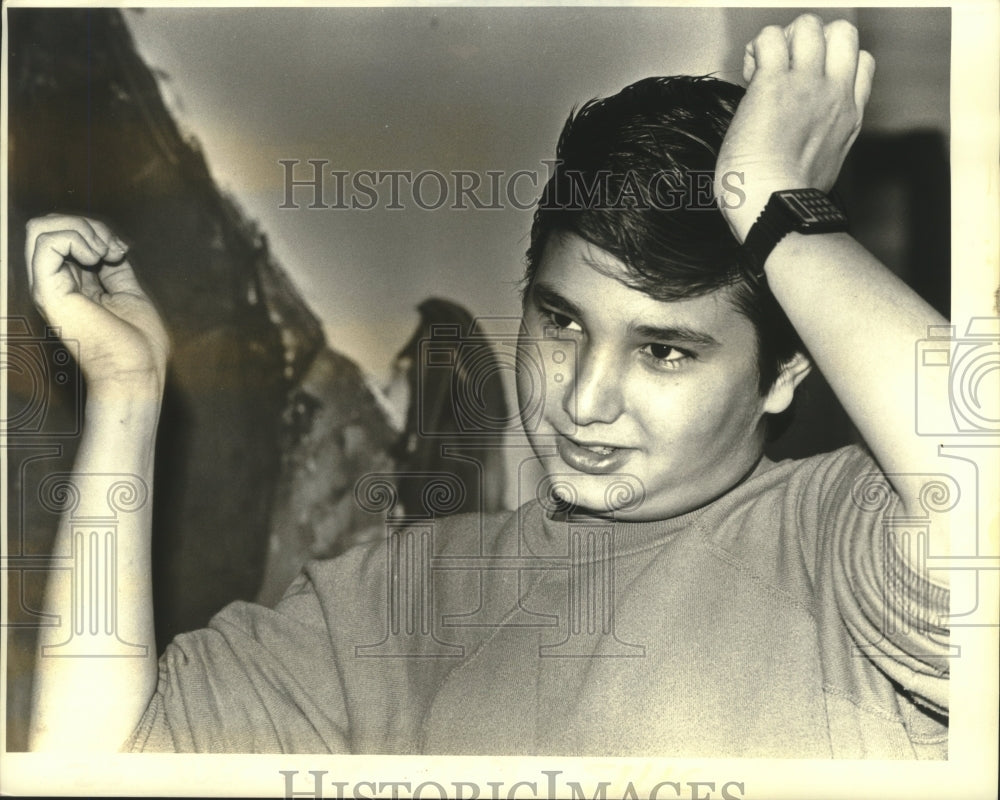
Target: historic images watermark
<point x="312" y="184"/>
<point x="548" y="784"/>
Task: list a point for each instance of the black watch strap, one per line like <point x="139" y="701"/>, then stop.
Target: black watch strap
<point x="792" y="210"/>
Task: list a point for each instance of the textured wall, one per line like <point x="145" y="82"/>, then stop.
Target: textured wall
<point x="89" y="134"/>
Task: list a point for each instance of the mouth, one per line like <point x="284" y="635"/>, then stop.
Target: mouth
<point x="601" y="449"/>
<point x="595" y="458"/>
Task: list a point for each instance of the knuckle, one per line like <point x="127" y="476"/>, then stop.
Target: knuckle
<point x="52" y="238"/>
<point x="842" y="27"/>
<point x="36" y="224"/>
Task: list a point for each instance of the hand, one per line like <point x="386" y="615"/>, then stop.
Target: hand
<point x="808" y="87"/>
<point x="84" y="286"/>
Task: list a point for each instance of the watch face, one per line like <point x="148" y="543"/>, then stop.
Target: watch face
<point x="813" y="211"/>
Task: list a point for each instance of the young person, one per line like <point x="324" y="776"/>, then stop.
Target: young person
<point x="671" y="591"/>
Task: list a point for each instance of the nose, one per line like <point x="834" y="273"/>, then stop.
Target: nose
<point x="594" y="391"/>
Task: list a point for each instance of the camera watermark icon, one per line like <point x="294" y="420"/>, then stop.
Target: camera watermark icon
<point x="465" y="373"/>
<point x="973" y="365"/>
<point x="35" y="365"/>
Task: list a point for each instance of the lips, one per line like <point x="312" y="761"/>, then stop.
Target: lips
<point x="594" y="458"/>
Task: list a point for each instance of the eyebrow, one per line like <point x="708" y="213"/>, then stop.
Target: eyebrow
<point x="679" y="333"/>
<point x="547" y="295"/>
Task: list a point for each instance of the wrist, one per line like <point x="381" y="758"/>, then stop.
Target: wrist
<point x="786" y="212"/>
<point x="130" y="409"/>
<point x="140" y="387"/>
<point x="119" y="434"/>
<point x="741" y="208"/>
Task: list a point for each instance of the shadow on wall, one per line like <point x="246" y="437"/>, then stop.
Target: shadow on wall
<point x="454" y="382"/>
<point x="431" y="462"/>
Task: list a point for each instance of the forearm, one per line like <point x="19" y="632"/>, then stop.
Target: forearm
<point x="861" y="325"/>
<point x="808" y="86"/>
<point x="91" y="687"/>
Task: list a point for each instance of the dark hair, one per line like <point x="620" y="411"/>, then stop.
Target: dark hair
<point x="633" y="176"/>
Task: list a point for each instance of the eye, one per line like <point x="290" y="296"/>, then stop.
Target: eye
<point x="560" y="321"/>
<point x="666" y="354"/>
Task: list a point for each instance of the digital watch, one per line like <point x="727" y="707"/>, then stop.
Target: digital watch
<point x="789" y="211"/>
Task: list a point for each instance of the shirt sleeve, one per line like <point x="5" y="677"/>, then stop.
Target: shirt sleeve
<point x="256" y="680"/>
<point x="895" y="614"/>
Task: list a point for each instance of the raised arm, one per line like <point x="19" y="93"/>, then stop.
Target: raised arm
<point x="808" y="86"/>
<point x="85" y="697"/>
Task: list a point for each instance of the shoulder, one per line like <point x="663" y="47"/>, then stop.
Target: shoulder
<point x="849" y="460"/>
<point x="820" y="481"/>
<point x="791" y="483"/>
<point x="459" y="534"/>
<point x="788" y="506"/>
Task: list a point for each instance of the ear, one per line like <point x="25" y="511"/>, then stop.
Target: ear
<point x="793" y="372"/>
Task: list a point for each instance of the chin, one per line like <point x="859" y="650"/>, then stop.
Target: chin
<point x="620" y="495"/>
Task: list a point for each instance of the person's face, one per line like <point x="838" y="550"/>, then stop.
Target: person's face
<point x="664" y="392"/>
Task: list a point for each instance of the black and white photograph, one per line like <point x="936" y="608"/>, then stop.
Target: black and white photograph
<point x="500" y="401"/>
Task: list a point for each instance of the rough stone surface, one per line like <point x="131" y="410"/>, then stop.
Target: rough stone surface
<point x="89" y="134"/>
<point x="334" y="434"/>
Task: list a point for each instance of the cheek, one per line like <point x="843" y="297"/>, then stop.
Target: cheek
<point x="703" y="416"/>
<point x="545" y="368"/>
<point x="740" y="409"/>
<point x="535" y="381"/>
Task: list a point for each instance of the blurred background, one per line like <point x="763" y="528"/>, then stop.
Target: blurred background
<point x="296" y="330"/>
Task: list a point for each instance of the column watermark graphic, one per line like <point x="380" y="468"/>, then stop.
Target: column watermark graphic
<point x="93" y="563"/>
<point x="409" y="628"/>
<point x="584" y="628"/>
<point x="907" y="588"/>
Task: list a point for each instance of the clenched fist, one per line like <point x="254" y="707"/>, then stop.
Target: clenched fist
<point x="808" y="87"/>
<point x="83" y="284"/>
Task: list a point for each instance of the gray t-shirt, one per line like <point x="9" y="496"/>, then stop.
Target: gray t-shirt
<point x="775" y="621"/>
